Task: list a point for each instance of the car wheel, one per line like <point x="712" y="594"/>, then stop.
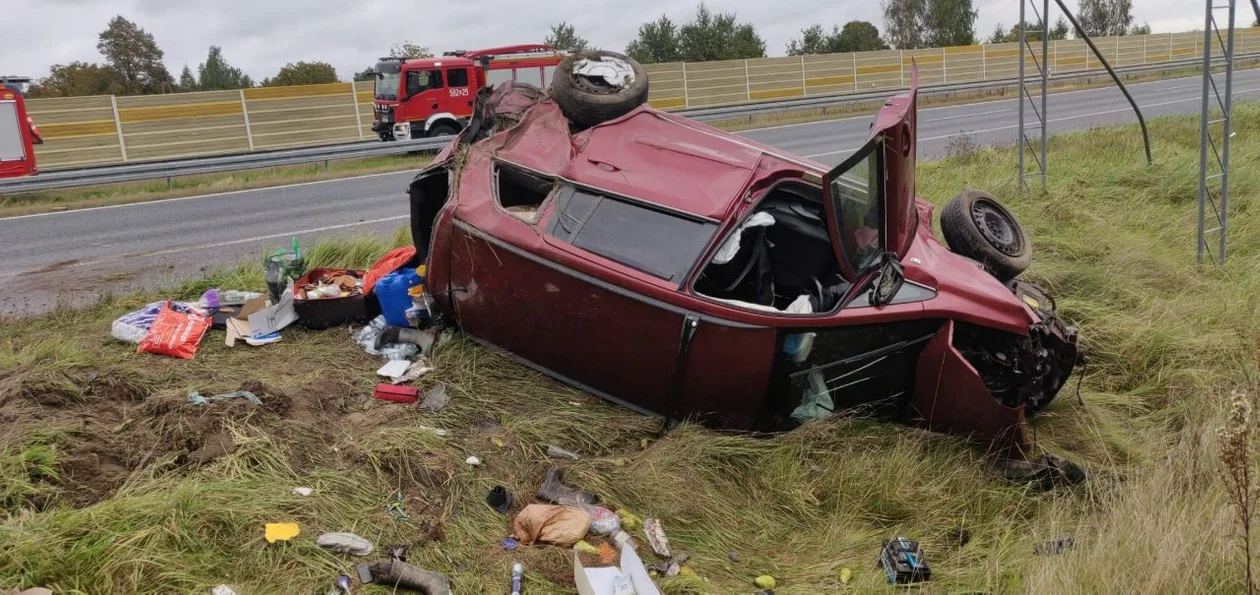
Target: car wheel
<point x="977" y="226"/>
<point x="442" y="130"/>
<point x="598" y="86"/>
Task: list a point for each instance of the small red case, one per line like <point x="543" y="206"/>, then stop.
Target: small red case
<point x="397" y="394"/>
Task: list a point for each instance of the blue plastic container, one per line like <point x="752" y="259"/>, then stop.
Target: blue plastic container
<point x="391" y="292"/>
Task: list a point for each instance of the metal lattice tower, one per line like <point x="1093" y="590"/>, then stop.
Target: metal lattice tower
<point x="1214" y="130"/>
<point x="1032" y="94"/>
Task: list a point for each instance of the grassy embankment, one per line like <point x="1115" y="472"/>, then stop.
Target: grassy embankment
<point x="110" y="482"/>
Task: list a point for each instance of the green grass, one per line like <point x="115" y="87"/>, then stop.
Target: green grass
<point x="114" y="194"/>
<point x="1114" y="241"/>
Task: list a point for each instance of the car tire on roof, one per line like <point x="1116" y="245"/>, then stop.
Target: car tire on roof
<point x="593" y="87"/>
<point x="977" y="226"/>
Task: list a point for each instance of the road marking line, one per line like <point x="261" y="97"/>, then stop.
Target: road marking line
<point x="220" y="244"/>
<point x="991" y="101"/>
<point x="1050" y="121"/>
<point x="182" y="198"/>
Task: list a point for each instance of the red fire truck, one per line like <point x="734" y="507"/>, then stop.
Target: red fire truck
<point x="18" y="136"/>
<point x="416" y="98"/>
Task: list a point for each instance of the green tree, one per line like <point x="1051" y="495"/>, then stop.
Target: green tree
<point x="856" y="36"/>
<point x="187" y="82"/>
<point x="1001" y="35"/>
<point x="564" y="37"/>
<point x="135" y="56"/>
<point x="1105" y="17"/>
<point x="409" y="51"/>
<point x="718" y="37"/>
<point x="658" y="41"/>
<point x="215" y="74"/>
<point x="1143" y="29"/>
<point x="303" y="73"/>
<point x="77" y="79"/>
<point x="915" y="24"/>
<point x="367" y="74"/>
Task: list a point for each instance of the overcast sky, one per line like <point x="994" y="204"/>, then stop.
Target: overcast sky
<point x="260" y="36"/>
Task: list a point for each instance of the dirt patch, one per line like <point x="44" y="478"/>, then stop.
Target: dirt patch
<point x="105" y="425"/>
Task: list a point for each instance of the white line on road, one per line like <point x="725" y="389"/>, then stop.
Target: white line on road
<point x="1050" y="121"/>
<point x="222" y="244"/>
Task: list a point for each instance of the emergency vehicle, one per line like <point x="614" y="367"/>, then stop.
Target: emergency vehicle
<point x="18" y="136"/>
<point x="423" y="97"/>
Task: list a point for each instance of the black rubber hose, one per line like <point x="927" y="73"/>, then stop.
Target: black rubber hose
<point x="1146" y="136"/>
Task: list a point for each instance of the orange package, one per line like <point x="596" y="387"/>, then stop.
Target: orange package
<point x="175" y="333"/>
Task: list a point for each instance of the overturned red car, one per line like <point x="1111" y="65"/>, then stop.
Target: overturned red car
<point x="691" y="273"/>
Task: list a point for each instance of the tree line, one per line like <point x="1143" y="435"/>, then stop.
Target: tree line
<point x="133" y="61"/>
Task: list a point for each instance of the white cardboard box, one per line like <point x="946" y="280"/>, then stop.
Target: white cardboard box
<point x="600" y="580"/>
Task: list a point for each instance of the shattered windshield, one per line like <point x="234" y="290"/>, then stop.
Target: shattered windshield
<point x="857" y="201"/>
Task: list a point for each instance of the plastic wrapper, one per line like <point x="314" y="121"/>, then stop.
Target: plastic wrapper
<point x="175" y="333"/>
<point x="366" y="338"/>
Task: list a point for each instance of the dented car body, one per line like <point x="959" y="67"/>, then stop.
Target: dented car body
<point x="691" y="273"/>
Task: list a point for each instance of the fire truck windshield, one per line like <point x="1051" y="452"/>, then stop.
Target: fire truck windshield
<point x="387" y="81"/>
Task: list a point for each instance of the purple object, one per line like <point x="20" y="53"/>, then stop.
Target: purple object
<point x="509" y="544"/>
<point x="212" y="298"/>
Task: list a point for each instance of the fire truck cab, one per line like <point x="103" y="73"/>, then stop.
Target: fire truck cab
<point x="424" y="97"/>
<point x="18" y="136"/>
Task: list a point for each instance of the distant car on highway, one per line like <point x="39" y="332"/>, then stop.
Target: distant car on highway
<point x="684" y="271"/>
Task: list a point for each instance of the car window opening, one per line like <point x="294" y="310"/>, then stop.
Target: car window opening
<point x="520" y="192"/>
<point x="864" y="371"/>
<point x="427" y="196"/>
<point x="636" y="235"/>
<point x="779" y="258"/>
<point x="858" y="201"/>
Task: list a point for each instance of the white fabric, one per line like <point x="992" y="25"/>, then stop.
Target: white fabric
<point x="728" y="250"/>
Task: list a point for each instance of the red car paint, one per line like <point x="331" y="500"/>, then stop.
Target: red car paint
<point x="24" y="136"/>
<point x="446" y="101"/>
<point x="657" y="344"/>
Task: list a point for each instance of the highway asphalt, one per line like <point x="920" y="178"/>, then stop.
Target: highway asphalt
<point x="73" y="256"/>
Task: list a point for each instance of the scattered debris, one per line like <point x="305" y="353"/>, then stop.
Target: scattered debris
<point x="846" y="575"/>
<point x="671" y="567"/>
<point x="903" y="561"/>
<point x="346" y="543"/>
<point x="395" y="510"/>
<point x="274" y="532"/>
<point x="553" y="490"/>
<point x="603" y="521"/>
<point x="733" y="557"/>
<point x="282" y="268"/>
<point x="259" y="321"/>
<point x="556" y="452"/>
<point x="368" y="336"/>
<point x="133" y="326"/>
<point x="765" y="581"/>
<point x="219" y="590"/>
<point x="437" y="431"/>
<point x="559" y="525"/>
<point x="303" y="491"/>
<point x="509" y="543"/>
<point x="397" y="552"/>
<point x="500" y="499"/>
<point x="582" y="547"/>
<point x="629" y="520"/>
<point x="176" y="332"/>
<point x="399" y="335"/>
<point x="397" y="394"/>
<point x="195" y="397"/>
<point x="1047" y="470"/>
<point x="474" y="461"/>
<point x="497" y="442"/>
<point x="656" y="537"/>
<point x="627" y="576"/>
<point x="330" y="297"/>
<point x="418" y="368"/>
<point x="1055" y="547"/>
<point x="343" y="584"/>
<point x="436" y="399"/>
<point x="518" y="578"/>
<point x="394" y="369"/>
<point x="396" y="573"/>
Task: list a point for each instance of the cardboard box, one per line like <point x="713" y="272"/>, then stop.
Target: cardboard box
<point x="257" y="319"/>
<point x="600" y="580"/>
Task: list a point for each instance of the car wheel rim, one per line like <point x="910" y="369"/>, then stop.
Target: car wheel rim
<point x="997" y="227"/>
<point x="603" y="75"/>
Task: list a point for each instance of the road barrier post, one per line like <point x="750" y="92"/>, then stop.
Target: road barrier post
<point x="855" y="83"/>
<point x="944" y="67"/>
<point x="747" y="82"/>
<point x="984" y="62"/>
<point x="358" y="119"/>
<point x="122" y="144"/>
<point x="804" y="90"/>
<point x="686" y="90"/>
<point x="249" y="133"/>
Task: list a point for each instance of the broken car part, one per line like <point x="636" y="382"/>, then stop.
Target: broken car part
<point x="903" y="561"/>
<point x="553" y="490"/>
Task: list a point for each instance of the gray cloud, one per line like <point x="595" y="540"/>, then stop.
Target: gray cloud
<point x="260" y="36"/>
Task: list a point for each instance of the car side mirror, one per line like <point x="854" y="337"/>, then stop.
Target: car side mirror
<point x="891" y="277"/>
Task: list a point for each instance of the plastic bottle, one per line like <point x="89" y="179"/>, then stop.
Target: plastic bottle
<point x="391" y="291"/>
<point x="518" y="577"/>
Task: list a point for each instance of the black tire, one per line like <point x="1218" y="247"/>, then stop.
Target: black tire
<point x="587" y="101"/>
<point x="443" y="129"/>
<point x="977" y="226"/>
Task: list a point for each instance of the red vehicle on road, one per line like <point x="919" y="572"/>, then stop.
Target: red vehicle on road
<point x="18" y="136"/>
<point x="416" y="98"/>
<point x="687" y="272"/>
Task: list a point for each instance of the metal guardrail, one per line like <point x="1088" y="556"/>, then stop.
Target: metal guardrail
<point x="256" y="160"/>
